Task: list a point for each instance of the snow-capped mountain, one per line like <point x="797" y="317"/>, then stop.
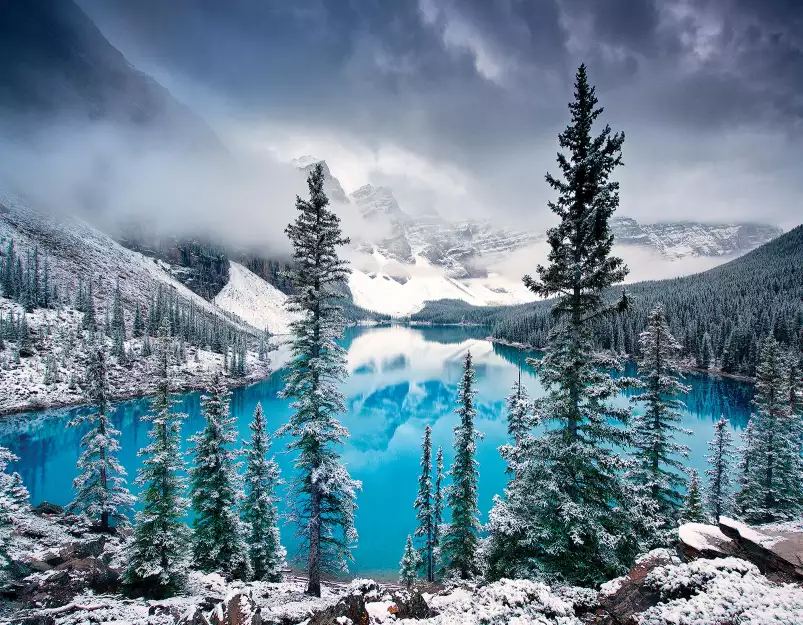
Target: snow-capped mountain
<point x="334" y="190"/>
<point x="410" y="260"/>
<point x="687" y="238"/>
<point x="463" y="249"/>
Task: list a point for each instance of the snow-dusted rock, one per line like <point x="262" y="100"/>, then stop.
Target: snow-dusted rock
<point x="623" y="597"/>
<point x="700" y="540"/>
<point x="723" y="590"/>
<point x="776" y="552"/>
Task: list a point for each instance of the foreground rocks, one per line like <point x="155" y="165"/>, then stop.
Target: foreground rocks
<point x="776" y="551"/>
<point x="66" y="573"/>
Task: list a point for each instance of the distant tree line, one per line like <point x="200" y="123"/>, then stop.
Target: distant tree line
<point x="720" y="316"/>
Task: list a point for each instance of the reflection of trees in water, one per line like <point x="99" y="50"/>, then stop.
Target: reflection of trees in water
<point x="713" y="396"/>
<point x="446" y="335"/>
<point x="452" y="334"/>
<point x="514" y="356"/>
<point x="710" y="396"/>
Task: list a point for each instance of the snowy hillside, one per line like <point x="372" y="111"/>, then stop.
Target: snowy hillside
<point x="75" y="250"/>
<point x="254" y="301"/>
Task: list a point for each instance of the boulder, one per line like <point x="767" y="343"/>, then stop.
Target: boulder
<point x="777" y="553"/>
<point x="366" y="599"/>
<point x="91" y="547"/>
<point x="700" y="540"/>
<point x="47" y="508"/>
<point x="620" y="600"/>
<point x="193" y="616"/>
<point x="238" y="608"/>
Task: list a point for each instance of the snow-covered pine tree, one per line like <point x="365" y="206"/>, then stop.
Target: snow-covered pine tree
<point x="795" y="384"/>
<point x="215" y="490"/>
<point x="693" y="511"/>
<point x="18" y="493"/>
<point x="259" y="507"/>
<point x="100" y="487"/>
<point x="773" y="473"/>
<point x="519" y="423"/>
<point x="568" y="513"/>
<point x="117" y="320"/>
<point x="323" y="492"/>
<point x="88" y="308"/>
<point x="437" y="511"/>
<point x="13" y="501"/>
<point x="720" y="460"/>
<point x="410" y="563"/>
<point x="159" y="555"/>
<point x="659" y="468"/>
<point x="423" y="506"/>
<point x="461" y="540"/>
<point x="138" y="328"/>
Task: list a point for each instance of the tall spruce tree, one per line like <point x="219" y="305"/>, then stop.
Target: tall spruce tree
<point x="100" y="487"/>
<point x="567" y="512"/>
<point x="771" y="489"/>
<point x="138" y="328"/>
<point x="88" y="308"/>
<point x="519" y="423"/>
<point x="215" y="490"/>
<point x="437" y="511"/>
<point x="259" y="508"/>
<point x="323" y="492"/>
<point x="423" y="505"/>
<point x="720" y="460"/>
<point x="159" y="554"/>
<point x="13" y="502"/>
<point x="659" y="466"/>
<point x="461" y="539"/>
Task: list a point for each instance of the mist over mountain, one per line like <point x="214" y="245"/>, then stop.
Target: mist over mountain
<point x="152" y="173"/>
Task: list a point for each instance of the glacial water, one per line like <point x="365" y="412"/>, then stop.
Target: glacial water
<point x="401" y="379"/>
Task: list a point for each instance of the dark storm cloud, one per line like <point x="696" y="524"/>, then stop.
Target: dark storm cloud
<point x="481" y="85"/>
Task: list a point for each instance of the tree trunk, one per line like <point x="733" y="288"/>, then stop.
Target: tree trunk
<point x="314" y="585"/>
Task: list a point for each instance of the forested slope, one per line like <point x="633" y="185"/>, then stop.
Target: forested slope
<point x="719" y="315"/>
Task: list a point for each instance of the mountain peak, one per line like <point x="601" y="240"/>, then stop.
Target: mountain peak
<point x="334" y="190"/>
<point x="302" y="162"/>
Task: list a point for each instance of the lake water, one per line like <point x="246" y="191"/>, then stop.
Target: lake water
<point x="401" y="379"/>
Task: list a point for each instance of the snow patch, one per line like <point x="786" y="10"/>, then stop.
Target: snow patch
<point x="702" y="536"/>
<point x="255" y="301"/>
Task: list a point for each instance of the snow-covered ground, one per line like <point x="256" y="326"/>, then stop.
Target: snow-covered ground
<point x="254" y="301"/>
<point x="67" y="574"/>
<point x="58" y="339"/>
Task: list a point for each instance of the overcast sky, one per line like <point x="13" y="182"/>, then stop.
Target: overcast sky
<point x="457" y="105"/>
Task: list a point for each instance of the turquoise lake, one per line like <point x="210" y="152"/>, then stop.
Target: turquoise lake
<point x="401" y="379"/>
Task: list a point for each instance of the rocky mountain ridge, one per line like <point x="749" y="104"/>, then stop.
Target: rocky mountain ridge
<point x="689" y="238"/>
<point x="465" y="249"/>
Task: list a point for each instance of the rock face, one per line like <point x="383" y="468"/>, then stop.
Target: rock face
<point x="688" y="238"/>
<point x="623" y="598"/>
<point x="777" y="553"/>
<point x="238" y="608"/>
